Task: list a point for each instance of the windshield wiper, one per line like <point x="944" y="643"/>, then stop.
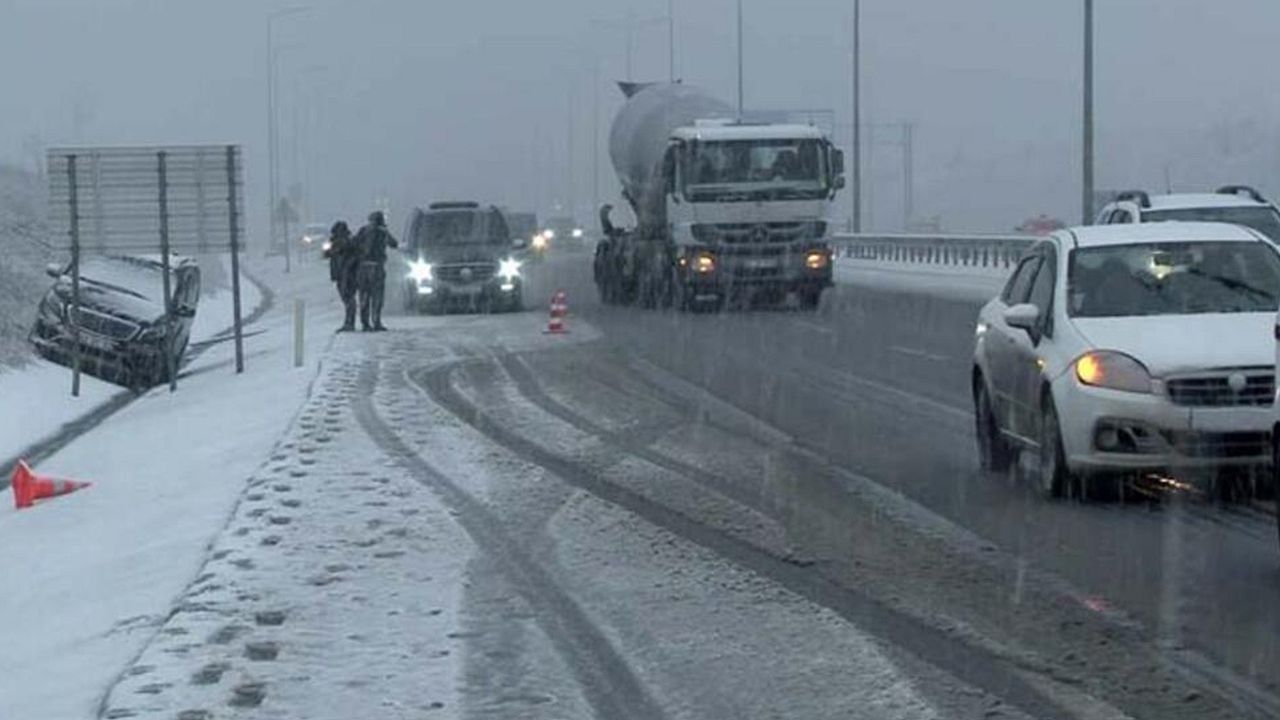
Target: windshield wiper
<point x="1232" y="283"/>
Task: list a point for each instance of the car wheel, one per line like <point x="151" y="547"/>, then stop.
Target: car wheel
<point x="994" y="453"/>
<point x="1054" y="477"/>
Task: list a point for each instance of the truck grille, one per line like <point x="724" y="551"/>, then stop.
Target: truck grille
<point x="103" y="324"/>
<point x="466" y="273"/>
<point x="758" y="233"/>
<point x="1215" y="390"/>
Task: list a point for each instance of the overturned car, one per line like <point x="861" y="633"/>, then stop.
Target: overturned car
<point x="125" y="334"/>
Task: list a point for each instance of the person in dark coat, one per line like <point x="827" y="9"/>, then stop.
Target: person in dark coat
<point x="373" y="240"/>
<point x="344" y="266"/>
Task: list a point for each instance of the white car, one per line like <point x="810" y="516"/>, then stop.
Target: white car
<point x="1237" y="204"/>
<point x="1131" y="349"/>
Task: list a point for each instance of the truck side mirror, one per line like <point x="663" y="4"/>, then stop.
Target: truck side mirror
<point x="837" y="161"/>
<point x="838" y="184"/>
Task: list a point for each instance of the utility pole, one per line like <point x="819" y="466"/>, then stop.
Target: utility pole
<point x="1087" y="165"/>
<point x="570" y="195"/>
<point x="671" y="41"/>
<point x="273" y="151"/>
<point x="739" y="59"/>
<point x="595" y="135"/>
<point x="856" y="143"/>
<point x="908" y="175"/>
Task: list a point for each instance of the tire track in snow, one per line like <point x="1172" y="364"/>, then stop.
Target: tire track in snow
<point x="607" y="681"/>
<point x="966" y="662"/>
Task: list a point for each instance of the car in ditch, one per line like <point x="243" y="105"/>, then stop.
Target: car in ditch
<point x="462" y="256"/>
<point x="126" y="336"/>
<point x="1137" y="350"/>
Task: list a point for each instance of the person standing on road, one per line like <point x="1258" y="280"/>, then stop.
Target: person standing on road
<point x="344" y="266"/>
<point x="373" y="240"/>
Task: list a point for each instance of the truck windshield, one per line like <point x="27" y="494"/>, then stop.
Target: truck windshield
<point x="755" y="169"/>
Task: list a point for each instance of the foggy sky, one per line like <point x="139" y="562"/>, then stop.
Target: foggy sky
<point x="418" y="100"/>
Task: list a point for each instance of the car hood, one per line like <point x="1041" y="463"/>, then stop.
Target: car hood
<point x="1169" y="344"/>
<point x="113" y="301"/>
<point x="466" y="254"/>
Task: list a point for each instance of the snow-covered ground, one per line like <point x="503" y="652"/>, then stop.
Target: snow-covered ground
<point x="37" y="397"/>
<point x="955" y="282"/>
<point x="88" y="577"/>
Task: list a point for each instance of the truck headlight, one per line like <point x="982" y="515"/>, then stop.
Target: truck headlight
<point x="816" y="259"/>
<point x="420" y="271"/>
<point x="509" y="269"/>
<point x="1112" y="370"/>
<point x="704" y="263"/>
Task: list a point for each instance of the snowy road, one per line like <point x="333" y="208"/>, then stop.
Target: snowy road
<point x="749" y="515"/>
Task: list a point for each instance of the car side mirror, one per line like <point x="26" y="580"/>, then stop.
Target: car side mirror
<point x="53" y="270"/>
<point x="1024" y="316"/>
<point x="519" y="243"/>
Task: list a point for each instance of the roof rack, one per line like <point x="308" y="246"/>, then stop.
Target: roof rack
<point x="1137" y="196"/>
<point x="453" y="205"/>
<point x="1241" y="190"/>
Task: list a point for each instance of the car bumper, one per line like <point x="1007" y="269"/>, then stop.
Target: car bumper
<point x="461" y="294"/>
<point x="99" y="355"/>
<point x="1111" y="430"/>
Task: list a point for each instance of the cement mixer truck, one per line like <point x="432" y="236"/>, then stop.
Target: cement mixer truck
<point x="724" y="208"/>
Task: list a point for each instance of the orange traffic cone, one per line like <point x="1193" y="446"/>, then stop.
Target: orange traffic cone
<point x="29" y="487"/>
<point x="559" y="309"/>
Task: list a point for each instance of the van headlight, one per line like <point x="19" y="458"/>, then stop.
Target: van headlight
<point x="509" y="269"/>
<point x="1113" y="371"/>
<point x="420" y="271"/>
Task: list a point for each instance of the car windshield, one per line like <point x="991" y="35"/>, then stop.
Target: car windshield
<point x="1173" y="279"/>
<point x="452" y="227"/>
<point x="1264" y="219"/>
<point x="787" y="168"/>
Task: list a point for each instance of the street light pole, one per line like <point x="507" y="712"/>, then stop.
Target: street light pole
<point x="671" y="41"/>
<point x="856" y="142"/>
<point x="273" y="152"/>
<point x="1087" y="165"/>
<point x="739" y="59"/>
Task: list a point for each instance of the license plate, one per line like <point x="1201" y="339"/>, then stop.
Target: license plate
<point x="760" y="264"/>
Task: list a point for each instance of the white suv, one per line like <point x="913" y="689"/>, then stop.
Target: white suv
<point x="1135" y="349"/>
<point x="1238" y="204"/>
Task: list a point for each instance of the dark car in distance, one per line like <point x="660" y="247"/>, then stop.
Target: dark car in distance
<point x="125" y="335"/>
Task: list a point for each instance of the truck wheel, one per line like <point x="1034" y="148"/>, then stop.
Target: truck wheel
<point x="809" y="298"/>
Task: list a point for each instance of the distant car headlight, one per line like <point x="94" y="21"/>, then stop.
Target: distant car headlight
<point x="577" y="232"/>
<point x="509" y="269"/>
<point x="1112" y="370"/>
<point x="327" y="246"/>
<point x="539" y="242"/>
<point x="704" y="263"/>
<point x="420" y="271"/>
<point x="549" y="234"/>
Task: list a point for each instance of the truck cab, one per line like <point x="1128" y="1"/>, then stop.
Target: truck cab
<point x="748" y="208"/>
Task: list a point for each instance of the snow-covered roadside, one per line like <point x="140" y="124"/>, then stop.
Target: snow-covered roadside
<point x="88" y="577"/>
<point x="954" y="282"/>
<point x="36" y="398"/>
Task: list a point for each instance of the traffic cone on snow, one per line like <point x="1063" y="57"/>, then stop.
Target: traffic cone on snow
<point x="559" y="309"/>
<point x="29" y="487"/>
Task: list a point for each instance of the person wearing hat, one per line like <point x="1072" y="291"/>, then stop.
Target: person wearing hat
<point x="344" y="266"/>
<point x="373" y="240"/>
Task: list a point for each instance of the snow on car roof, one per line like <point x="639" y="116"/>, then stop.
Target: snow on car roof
<point x="1170" y="232"/>
<point x="1182" y="201"/>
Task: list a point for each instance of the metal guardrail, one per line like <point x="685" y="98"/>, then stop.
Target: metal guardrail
<point x="978" y="251"/>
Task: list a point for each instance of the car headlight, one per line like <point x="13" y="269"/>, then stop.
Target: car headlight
<point x="539" y="242"/>
<point x="420" y="271"/>
<point x="816" y="259"/>
<point x="509" y="269"/>
<point x="704" y="263"/>
<point x="577" y="232"/>
<point x="1112" y="370"/>
<point x="549" y="234"/>
<point x="327" y="246"/>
